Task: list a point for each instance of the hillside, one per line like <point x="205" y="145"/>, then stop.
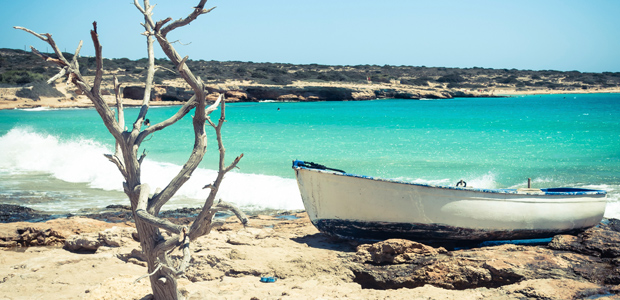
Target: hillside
<point x="248" y="81"/>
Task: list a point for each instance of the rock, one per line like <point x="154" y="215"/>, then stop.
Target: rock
<point x="237" y="255"/>
<point x="56" y="233"/>
<point x="463" y="269"/>
<point x="111" y="237"/>
<point x="241" y="240"/>
<point x="116" y="236"/>
<point x="363" y="95"/>
<point x="235" y="93"/>
<point x="232" y="96"/>
<point x="248" y="236"/>
<point x="260" y="93"/>
<point x="16" y="213"/>
<point x="83" y="242"/>
<point x="133" y="92"/>
<point x="554" y="289"/>
<point x="601" y="241"/>
<point x="50" y="233"/>
<point x="434" y="95"/>
<point x="170" y="93"/>
<point x="212" y="97"/>
<point x="291" y="97"/>
<point x="395" y="251"/>
<point x="592" y="256"/>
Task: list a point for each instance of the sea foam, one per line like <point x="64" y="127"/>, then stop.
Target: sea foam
<point x="82" y="160"/>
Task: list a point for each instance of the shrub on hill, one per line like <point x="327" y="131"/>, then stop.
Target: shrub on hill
<point x="508" y="80"/>
<point x="20" y="62"/>
<point x="20" y="77"/>
<point x="333" y="76"/>
<point x="306" y="74"/>
<point x="451" y="78"/>
<point x="259" y="74"/>
<point x="380" y="78"/>
<point x="421" y="81"/>
<point x="281" y="80"/>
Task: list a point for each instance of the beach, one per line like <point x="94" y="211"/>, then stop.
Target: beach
<point x="230" y="262"/>
<point x="42" y="259"/>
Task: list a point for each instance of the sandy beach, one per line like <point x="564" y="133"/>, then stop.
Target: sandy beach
<point x="229" y="264"/>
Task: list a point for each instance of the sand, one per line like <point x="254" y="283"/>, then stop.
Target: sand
<point x="229" y="263"/>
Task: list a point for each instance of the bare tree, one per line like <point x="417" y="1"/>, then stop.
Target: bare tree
<point x="163" y="272"/>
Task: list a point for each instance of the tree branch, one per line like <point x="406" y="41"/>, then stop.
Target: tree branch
<point x="158" y="222"/>
<point x="215" y="104"/>
<point x="198" y="10"/>
<point x="119" y="103"/>
<point x="61" y="73"/>
<point x="148" y="24"/>
<point x="225" y="206"/>
<point x="59" y="62"/>
<point x="106" y="114"/>
<point x="74" y="60"/>
<point x="143" y="191"/>
<point x="197" y="85"/>
<point x="141" y="207"/>
<point x="204" y="222"/>
<point x="99" y="58"/>
<point x="143" y="11"/>
<point x="184" y="110"/>
<point x="187" y="256"/>
<point x="119" y="164"/>
<point x="41" y="36"/>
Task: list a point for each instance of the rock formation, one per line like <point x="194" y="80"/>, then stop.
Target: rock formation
<point x="591" y="256"/>
<point x="294" y="93"/>
<point x="580" y="266"/>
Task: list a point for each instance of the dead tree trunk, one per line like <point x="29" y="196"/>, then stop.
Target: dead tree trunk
<point x="145" y="205"/>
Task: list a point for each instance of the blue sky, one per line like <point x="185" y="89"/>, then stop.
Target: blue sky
<point x="526" y="35"/>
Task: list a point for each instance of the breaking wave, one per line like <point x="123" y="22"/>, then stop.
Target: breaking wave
<point x="81" y="160"/>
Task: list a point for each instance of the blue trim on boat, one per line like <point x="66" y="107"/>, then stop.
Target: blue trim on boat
<point x="299" y="164"/>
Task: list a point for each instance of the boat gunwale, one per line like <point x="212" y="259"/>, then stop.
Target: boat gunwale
<point x="543" y="192"/>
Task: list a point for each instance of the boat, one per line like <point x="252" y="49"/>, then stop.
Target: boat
<point x="356" y="206"/>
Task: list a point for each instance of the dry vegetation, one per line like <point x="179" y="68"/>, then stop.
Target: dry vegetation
<point x="19" y="68"/>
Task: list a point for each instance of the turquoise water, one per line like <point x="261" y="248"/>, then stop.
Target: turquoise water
<point x="557" y="140"/>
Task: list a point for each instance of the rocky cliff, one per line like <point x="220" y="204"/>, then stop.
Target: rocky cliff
<point x="298" y="93"/>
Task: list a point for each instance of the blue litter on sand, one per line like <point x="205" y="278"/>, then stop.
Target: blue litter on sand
<point x="268" y="279"/>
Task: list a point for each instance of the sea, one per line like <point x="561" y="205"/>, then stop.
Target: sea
<point x="53" y="159"/>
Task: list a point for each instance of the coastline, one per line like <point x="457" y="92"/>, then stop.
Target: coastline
<point x="229" y="262"/>
<point x="236" y="91"/>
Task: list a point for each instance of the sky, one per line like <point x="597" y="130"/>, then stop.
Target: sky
<point x="559" y="35"/>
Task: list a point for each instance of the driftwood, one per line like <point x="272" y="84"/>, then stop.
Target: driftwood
<point x="146" y="206"/>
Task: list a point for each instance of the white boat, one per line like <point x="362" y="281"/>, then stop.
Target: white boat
<point x="348" y="205"/>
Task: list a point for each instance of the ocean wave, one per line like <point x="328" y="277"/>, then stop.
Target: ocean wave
<point x="78" y="164"/>
<point x="82" y="161"/>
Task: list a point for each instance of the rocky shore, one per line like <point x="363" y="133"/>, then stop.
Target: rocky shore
<point x="84" y="257"/>
<point x="175" y="94"/>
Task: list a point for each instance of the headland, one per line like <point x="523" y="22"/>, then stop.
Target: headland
<point x="23" y="76"/>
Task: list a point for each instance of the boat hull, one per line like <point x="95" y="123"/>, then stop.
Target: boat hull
<point x="349" y="205"/>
